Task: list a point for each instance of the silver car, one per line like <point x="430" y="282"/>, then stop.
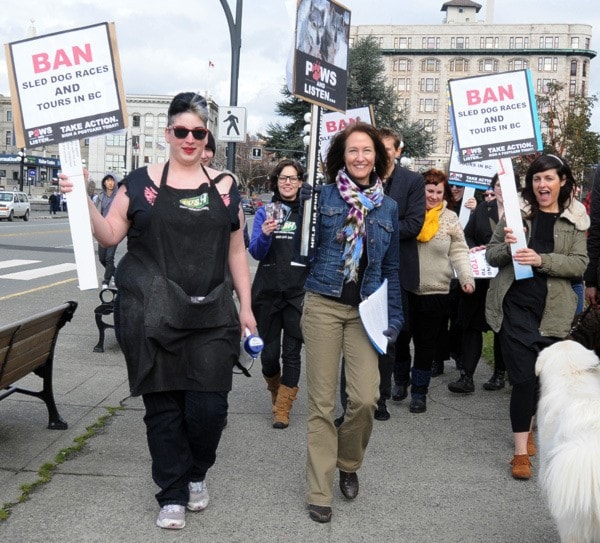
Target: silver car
<point x="14" y="204"/>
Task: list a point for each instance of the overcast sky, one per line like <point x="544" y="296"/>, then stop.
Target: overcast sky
<point x="166" y="47"/>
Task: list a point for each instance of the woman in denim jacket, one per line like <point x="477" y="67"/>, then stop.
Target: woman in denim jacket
<point x="357" y="247"/>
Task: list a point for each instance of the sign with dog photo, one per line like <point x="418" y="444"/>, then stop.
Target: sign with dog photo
<point x="320" y="65"/>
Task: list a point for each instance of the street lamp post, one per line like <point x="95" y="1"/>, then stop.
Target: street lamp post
<point x="22" y="154"/>
<point x="235" y="33"/>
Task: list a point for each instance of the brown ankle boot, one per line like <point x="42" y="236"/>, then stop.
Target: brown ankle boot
<point x="531" y="448"/>
<point x="521" y="466"/>
<point x="273" y="385"/>
<point x="283" y="406"/>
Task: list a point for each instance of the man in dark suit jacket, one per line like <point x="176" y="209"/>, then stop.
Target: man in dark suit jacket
<point x="407" y="188"/>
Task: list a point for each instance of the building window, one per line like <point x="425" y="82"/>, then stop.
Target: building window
<point x="404" y="104"/>
<point x="518" y="64"/>
<point x="548" y="64"/>
<point x="448" y="126"/>
<point x="542" y="85"/>
<point x="583" y="88"/>
<point x="549" y="42"/>
<point x="114" y="163"/>
<point x="431" y="42"/>
<point x="430" y="65"/>
<point x="587" y="43"/>
<point x="402" y="84"/>
<point x="148" y="141"/>
<point x="459" y="65"/>
<point x="115" y="140"/>
<point x="429" y="84"/>
<point x="430" y="125"/>
<point x="449" y="146"/>
<point x="402" y="65"/>
<point x="135" y="121"/>
<point x="401" y="42"/>
<point x="428" y="105"/>
<point x="8" y="139"/>
<point x="149" y="120"/>
<point x="459" y="42"/>
<point x="573" y="68"/>
<point x="575" y="42"/>
<point x="489" y="42"/>
<point x="488" y="65"/>
<point x="9" y="116"/>
<point x="147" y="159"/>
<point x="584" y="67"/>
<point x="162" y="121"/>
<point x="518" y="42"/>
<point x="572" y="87"/>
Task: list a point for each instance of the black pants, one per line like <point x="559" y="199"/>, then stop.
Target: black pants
<point x="183" y="429"/>
<point x="288" y="348"/>
<point x="106" y="255"/>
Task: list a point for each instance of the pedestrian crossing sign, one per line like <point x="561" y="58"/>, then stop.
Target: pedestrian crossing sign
<point x="232" y="124"/>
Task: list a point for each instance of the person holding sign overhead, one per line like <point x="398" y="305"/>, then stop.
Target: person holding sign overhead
<point x="533" y="313"/>
<point x="175" y="315"/>
<point x="356" y="249"/>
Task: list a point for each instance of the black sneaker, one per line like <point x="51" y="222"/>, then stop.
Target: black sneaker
<point x="399" y="392"/>
<point x="496" y="381"/>
<point x="381" y="413"/>
<point x="464" y="385"/>
<point x="418" y="405"/>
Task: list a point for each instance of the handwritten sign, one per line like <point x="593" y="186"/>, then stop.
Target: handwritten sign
<point x="66" y="86"/>
<point x="494" y="116"/>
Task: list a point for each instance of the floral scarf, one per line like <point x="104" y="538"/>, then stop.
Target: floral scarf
<point x="353" y="230"/>
<point x="431" y="224"/>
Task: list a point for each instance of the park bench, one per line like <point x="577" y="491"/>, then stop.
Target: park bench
<point x="27" y="346"/>
<point x="105" y="309"/>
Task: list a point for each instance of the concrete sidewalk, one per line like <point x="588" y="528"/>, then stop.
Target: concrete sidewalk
<point x="441" y="476"/>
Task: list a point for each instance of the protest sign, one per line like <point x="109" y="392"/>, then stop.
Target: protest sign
<point x="334" y="122"/>
<point x="494" y="116"/>
<point x="471" y="174"/>
<point x="320" y="65"/>
<point x="65" y="87"/>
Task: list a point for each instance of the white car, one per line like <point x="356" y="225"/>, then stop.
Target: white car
<point x="14" y="204"/>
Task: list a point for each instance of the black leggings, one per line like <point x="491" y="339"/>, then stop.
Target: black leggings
<point x="523" y="404"/>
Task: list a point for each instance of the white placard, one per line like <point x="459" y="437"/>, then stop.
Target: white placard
<point x="66" y="86"/>
<point x="494" y="116"/>
<point x="512" y="214"/>
<point x="79" y="216"/>
<point x="374" y="315"/>
<point x="465" y="212"/>
<point x="479" y="265"/>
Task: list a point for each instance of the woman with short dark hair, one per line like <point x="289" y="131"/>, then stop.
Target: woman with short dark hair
<point x="532" y="313"/>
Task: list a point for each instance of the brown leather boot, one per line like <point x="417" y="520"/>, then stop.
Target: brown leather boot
<point x="283" y="406"/>
<point x="521" y="466"/>
<point x="273" y="385"/>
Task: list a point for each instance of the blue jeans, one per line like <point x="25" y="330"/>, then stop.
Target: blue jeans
<point x="183" y="428"/>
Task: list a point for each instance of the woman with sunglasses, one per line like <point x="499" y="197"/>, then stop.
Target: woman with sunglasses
<point x="175" y="315"/>
<point x="278" y="287"/>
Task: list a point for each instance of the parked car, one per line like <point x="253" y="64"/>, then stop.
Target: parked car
<point x="14" y="204"/>
<point x="248" y="206"/>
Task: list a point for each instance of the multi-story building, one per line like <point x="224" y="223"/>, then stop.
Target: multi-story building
<point x="420" y="59"/>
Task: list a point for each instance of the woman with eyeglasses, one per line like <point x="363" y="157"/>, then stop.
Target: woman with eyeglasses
<point x="278" y="287"/>
<point x="176" y="319"/>
<point x="357" y="247"/>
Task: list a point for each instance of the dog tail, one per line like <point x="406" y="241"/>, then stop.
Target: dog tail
<point x="571" y="477"/>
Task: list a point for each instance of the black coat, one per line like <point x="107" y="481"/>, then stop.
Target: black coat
<point x="407" y="188"/>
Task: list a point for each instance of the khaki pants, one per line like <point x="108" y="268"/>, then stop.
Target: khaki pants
<point x="330" y="329"/>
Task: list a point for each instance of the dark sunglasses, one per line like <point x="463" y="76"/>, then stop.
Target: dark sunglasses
<point x="181" y="132"/>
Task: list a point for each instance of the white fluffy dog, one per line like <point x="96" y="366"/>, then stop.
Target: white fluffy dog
<point x="568" y="421"/>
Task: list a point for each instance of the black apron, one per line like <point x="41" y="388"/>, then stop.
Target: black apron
<point x="179" y="324"/>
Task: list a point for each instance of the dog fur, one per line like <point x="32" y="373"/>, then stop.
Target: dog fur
<point x="568" y="422"/>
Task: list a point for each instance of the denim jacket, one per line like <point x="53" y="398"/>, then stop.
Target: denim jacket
<point x="326" y="274"/>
